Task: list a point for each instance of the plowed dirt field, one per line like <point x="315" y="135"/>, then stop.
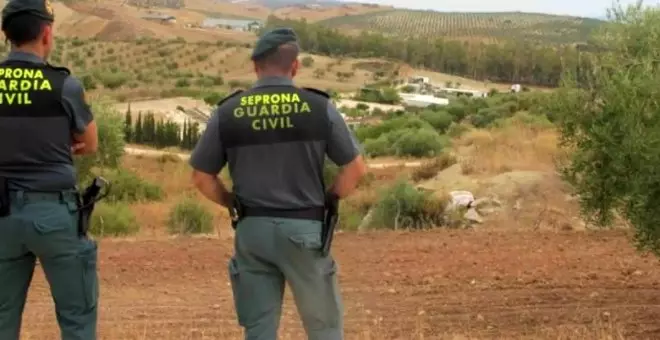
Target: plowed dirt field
<point x="411" y="285"/>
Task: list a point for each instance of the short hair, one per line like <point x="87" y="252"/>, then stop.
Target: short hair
<point x="23" y="28"/>
<point x="280" y="58"/>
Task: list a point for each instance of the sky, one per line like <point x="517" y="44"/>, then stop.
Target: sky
<point x="586" y="8"/>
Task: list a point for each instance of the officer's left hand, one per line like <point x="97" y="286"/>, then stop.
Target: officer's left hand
<point x="76" y="147"/>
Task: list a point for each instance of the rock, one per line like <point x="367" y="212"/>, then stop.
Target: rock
<point x="487" y="205"/>
<point x="487" y="202"/>
<point x="473" y="216"/>
<point x="461" y="198"/>
<point x="366" y="221"/>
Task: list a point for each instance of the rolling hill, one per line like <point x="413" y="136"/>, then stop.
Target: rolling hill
<point x="114" y="20"/>
<point x="470" y="26"/>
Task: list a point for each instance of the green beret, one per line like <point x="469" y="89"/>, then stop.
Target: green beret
<point x="272" y="40"/>
<point x="39" y="8"/>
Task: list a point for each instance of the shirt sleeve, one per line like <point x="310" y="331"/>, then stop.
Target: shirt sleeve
<point x="208" y="156"/>
<point x="73" y="100"/>
<point x="342" y="147"/>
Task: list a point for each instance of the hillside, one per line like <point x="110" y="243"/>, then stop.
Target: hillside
<point x="318" y="13"/>
<point x="470" y="26"/>
<point x="149" y="68"/>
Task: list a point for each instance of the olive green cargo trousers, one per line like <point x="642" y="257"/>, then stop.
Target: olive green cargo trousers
<point x="44" y="226"/>
<point x="270" y="252"/>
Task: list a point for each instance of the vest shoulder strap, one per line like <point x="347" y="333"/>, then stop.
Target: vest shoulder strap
<point x="61" y="69"/>
<point x="229" y="97"/>
<point x="317" y="91"/>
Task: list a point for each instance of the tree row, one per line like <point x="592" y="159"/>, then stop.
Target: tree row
<point x="522" y="62"/>
<point x="159" y="133"/>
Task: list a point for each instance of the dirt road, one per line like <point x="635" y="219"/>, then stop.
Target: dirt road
<point x="185" y="156"/>
<point x="430" y="285"/>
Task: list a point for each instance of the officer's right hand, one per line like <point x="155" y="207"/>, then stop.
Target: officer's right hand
<point x="77" y="147"/>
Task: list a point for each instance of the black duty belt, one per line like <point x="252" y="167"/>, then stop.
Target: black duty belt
<point x="40" y="196"/>
<point x="316" y="214"/>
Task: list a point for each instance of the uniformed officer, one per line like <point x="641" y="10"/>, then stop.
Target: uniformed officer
<point x="274" y="138"/>
<point x="44" y="120"/>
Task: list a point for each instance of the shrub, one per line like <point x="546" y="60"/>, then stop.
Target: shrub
<point x="457" y="111"/>
<point x="330" y="171"/>
<point x="307" y="61"/>
<point x="430" y="169"/>
<point x="213" y="98"/>
<point x="419" y="143"/>
<point x="404" y="206"/>
<point x="126" y="186"/>
<point x="182" y="82"/>
<point x="110" y="125"/>
<point x="189" y="217"/>
<point x="440" y="120"/>
<point x="112" y="80"/>
<point x="89" y="83"/>
<point x="456" y="130"/>
<point x="378" y="147"/>
<point x="113" y="219"/>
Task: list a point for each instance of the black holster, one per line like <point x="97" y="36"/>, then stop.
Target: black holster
<point x="329" y="222"/>
<point x="86" y="202"/>
<point x="236" y="211"/>
<point x="5" y="201"/>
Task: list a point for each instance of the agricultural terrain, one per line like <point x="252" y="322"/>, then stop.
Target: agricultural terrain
<point x="150" y="74"/>
<point x="520" y="263"/>
<point x="487" y="27"/>
<point x="110" y="20"/>
<point x="532" y="271"/>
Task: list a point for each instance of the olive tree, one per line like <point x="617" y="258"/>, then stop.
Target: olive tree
<point x="610" y="123"/>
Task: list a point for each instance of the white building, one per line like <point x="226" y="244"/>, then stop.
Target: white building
<point x="232" y="24"/>
<point x="465" y="92"/>
<point x="420" y="100"/>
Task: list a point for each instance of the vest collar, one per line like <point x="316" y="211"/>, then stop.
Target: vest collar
<point x="25" y="56"/>
<point x="273" y="81"/>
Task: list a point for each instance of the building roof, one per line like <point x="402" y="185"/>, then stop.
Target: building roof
<point x="158" y="16"/>
<point x="228" y="22"/>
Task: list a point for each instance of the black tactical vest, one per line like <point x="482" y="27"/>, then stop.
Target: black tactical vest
<point x="35" y="130"/>
<point x="274" y="114"/>
<point x="274" y="139"/>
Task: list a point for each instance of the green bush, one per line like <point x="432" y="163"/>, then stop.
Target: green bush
<point x="330" y="171"/>
<point x="350" y="217"/>
<point x="440" y="120"/>
<point x="419" y="143"/>
<point x="113" y="219"/>
<point x="389" y="125"/>
<point x="431" y="168"/>
<point x="112" y="80"/>
<point x="110" y="127"/>
<point x="457" y="111"/>
<point x="213" y="98"/>
<point x="126" y="186"/>
<point x="307" y="61"/>
<point x="189" y="217"/>
<point x="404" y="206"/>
<point x="456" y="130"/>
<point x="401" y="136"/>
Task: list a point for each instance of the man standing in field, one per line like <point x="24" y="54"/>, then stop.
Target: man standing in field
<point x="43" y="121"/>
<point x="275" y="137"/>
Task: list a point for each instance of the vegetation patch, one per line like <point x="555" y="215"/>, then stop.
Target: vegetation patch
<point x="189" y="217"/>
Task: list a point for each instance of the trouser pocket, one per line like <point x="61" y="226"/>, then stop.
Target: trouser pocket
<point x="238" y="292"/>
<point x="90" y="284"/>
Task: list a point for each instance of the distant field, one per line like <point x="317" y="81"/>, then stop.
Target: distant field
<point x="482" y="26"/>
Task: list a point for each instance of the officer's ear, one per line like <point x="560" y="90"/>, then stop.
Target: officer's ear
<point x="47" y="34"/>
<point x="294" y="67"/>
